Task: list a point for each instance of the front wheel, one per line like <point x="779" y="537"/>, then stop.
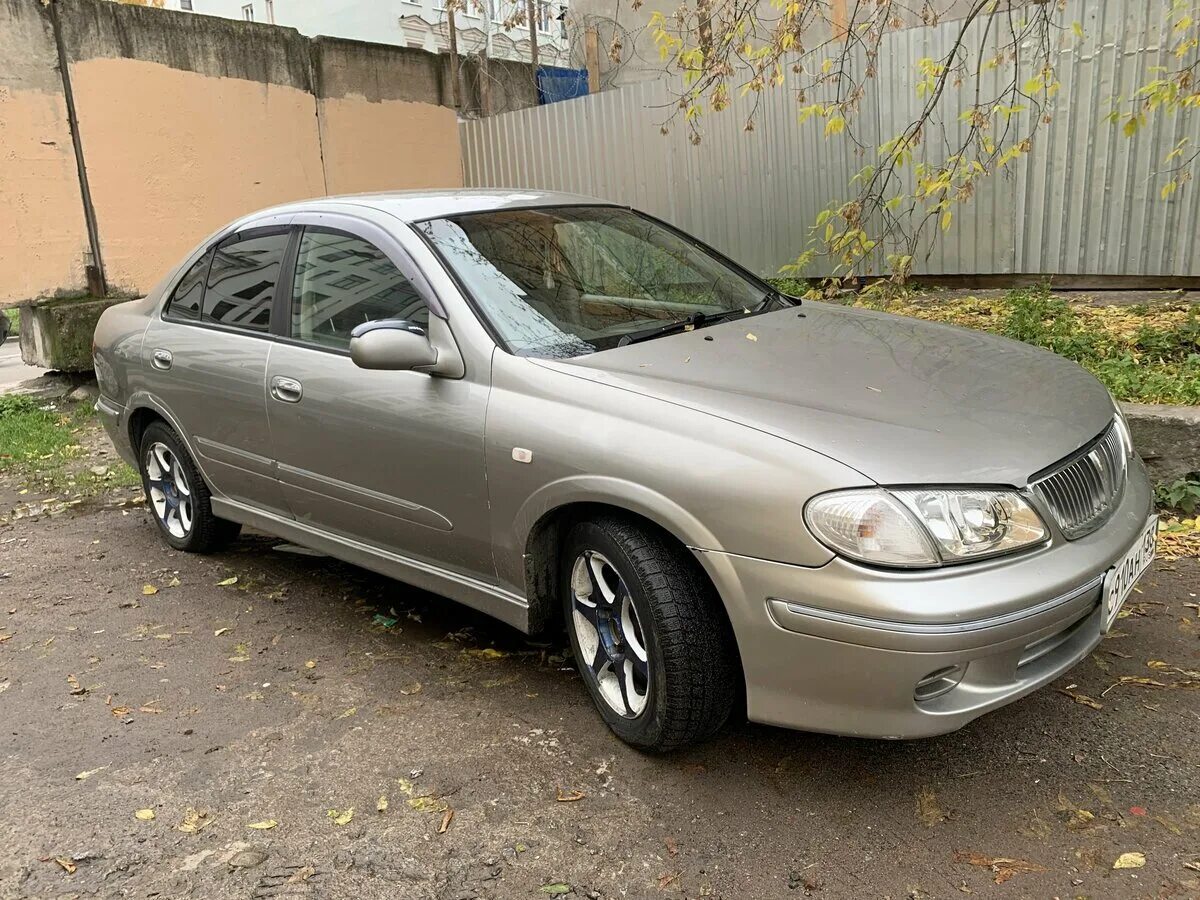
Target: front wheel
<point x="177" y="496"/>
<point x="649" y="634"/>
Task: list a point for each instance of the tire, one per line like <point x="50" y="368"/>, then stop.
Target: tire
<point x="176" y="495"/>
<point x="655" y="604"/>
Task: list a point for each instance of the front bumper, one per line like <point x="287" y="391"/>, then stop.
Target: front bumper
<point x="841" y="648"/>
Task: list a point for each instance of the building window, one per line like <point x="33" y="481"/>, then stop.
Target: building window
<point x="185" y="5"/>
<point x="270" y="11"/>
<point x="543" y="8"/>
<point x="248" y="12"/>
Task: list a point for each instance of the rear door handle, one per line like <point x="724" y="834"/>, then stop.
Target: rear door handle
<point x="161" y="359"/>
<point x="289" y="390"/>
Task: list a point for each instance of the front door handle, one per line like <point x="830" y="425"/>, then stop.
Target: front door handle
<point x="289" y="390"/>
<point x="161" y="359"/>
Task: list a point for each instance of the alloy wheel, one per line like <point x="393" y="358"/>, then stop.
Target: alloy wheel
<point x="170" y="494"/>
<point x="609" y="634"/>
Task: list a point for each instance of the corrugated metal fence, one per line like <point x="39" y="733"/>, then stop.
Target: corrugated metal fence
<point x="1085" y="201"/>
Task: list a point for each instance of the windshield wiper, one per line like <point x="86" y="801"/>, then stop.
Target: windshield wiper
<point x="687" y="323"/>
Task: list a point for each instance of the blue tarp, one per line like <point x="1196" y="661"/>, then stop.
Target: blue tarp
<point x="556" y="84"/>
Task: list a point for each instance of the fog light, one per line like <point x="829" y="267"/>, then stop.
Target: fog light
<point x="939" y="682"/>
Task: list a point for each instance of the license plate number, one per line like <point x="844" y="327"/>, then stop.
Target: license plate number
<point x="1121" y="578"/>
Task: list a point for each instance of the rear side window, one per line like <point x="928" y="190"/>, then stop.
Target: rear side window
<point x="185" y="302"/>
<point x="241" y="281"/>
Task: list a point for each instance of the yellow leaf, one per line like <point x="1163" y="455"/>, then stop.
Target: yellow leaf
<point x="835" y="125"/>
<point x="382" y="803"/>
<point x="427" y="804"/>
<point x="947" y="218"/>
<point x="311" y="664"/>
<point x="341" y="818"/>
<point x="219" y="632"/>
<point x="1168" y="189"/>
<point x="751" y="336"/>
<point x="232" y="579"/>
<point x="486" y="652"/>
<point x="347" y="714"/>
<point x="149" y="590"/>
<point x="144" y="814"/>
<point x="174" y="582"/>
<point x="1132" y="860"/>
<point x="264" y="825"/>
<point x="67" y="865"/>
<point x="1078" y="29"/>
<point x="84" y="776"/>
<point x="194" y="821"/>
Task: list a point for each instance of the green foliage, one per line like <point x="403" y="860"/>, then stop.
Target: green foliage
<point x="32" y="432"/>
<point x="1182" y="494"/>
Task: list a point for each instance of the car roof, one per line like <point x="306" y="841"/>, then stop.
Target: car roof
<point x="414" y="206"/>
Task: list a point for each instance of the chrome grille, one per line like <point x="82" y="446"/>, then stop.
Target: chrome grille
<point x="1082" y="490"/>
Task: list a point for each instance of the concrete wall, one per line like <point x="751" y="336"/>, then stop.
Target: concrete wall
<point x="188" y="121"/>
<point x="43" y="241"/>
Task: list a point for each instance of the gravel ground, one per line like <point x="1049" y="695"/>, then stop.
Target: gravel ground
<point x="136" y="681"/>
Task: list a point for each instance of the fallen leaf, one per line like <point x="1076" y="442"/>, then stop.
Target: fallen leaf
<point x="119" y="711"/>
<point x="76" y="687"/>
<point x="447" y="818"/>
<point x="341" y="818"/>
<point x="664" y="880"/>
<point x="1002" y="867"/>
<point x="347" y="714"/>
<point x="411" y="689"/>
<point x="144" y="814"/>
<point x="232" y="579"/>
<point x="486" y="653"/>
<point x="311" y="664"/>
<point x="66" y="864"/>
<point x="1082" y="699"/>
<point x="427" y="804"/>
<point x="928" y="810"/>
<point x="1131" y="860"/>
<point x="1141" y="679"/>
<point x="174" y="582"/>
<point x="5" y="637"/>
<point x="84" y="776"/>
<point x="382" y="803"/>
<point x="751" y="336"/>
<point x="383" y="621"/>
<point x="672" y="846"/>
<point x="219" y="632"/>
<point x="263" y="825"/>
<point x="194" y="821"/>
<point x="1137" y="810"/>
<point x="555" y="889"/>
<point x="569" y="796"/>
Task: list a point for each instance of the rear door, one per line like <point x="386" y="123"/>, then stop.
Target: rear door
<point x="391" y="459"/>
<point x="206" y="361"/>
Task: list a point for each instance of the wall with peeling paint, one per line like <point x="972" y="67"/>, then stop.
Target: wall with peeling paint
<point x="186" y="122"/>
<point x="43" y="240"/>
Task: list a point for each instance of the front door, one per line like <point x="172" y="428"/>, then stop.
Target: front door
<point x="391" y="459"/>
<point x="206" y="361"/>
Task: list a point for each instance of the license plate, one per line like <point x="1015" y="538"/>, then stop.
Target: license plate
<point x="1120" y="579"/>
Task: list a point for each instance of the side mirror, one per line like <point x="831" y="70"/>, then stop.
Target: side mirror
<point x="394" y="344"/>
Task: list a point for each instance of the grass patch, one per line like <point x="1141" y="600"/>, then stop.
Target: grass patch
<point x="1140" y="353"/>
<point x="41" y="443"/>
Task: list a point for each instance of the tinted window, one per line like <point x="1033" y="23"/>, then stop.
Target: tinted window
<point x="241" y="282"/>
<point x="342" y="281"/>
<point x="185" y="302"/>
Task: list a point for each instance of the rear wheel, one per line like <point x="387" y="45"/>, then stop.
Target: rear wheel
<point x="650" y="637"/>
<point x="177" y="496"/>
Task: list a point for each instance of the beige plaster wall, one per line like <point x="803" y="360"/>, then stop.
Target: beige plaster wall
<point x="388" y="145"/>
<point x="174" y="154"/>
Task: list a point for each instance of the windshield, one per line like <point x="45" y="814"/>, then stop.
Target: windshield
<point x="565" y="281"/>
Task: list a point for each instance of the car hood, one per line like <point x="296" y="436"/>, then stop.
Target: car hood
<point x="898" y="399"/>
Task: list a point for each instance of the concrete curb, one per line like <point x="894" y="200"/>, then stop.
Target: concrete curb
<point x="1166" y="437"/>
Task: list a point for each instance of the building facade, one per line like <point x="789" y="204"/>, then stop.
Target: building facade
<point x="492" y="25"/>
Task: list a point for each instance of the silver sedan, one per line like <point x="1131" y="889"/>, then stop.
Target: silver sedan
<point x="567" y="413"/>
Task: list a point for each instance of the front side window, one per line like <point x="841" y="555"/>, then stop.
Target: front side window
<point x="565" y="281"/>
<point x="343" y="281"/>
<point x="241" y="281"/>
<point x="185" y="301"/>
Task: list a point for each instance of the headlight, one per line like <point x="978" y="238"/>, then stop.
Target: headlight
<point x="916" y="527"/>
